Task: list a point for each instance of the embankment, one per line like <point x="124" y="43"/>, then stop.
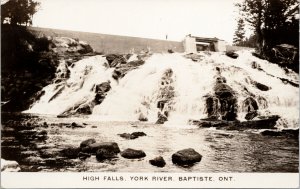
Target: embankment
<point x="114" y="43"/>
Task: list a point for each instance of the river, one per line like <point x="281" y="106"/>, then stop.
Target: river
<point x="222" y="150"/>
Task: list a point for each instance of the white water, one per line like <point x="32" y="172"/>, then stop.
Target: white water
<point x="78" y="89"/>
<point x="138" y="92"/>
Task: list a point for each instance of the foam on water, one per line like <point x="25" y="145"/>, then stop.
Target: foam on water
<point x="79" y="88"/>
<point x="138" y="92"/>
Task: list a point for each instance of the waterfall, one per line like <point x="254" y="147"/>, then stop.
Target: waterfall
<point x="139" y="94"/>
<point x="68" y="93"/>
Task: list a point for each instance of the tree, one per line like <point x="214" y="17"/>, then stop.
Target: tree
<point x="253" y="12"/>
<point x="268" y="19"/>
<point x="239" y="35"/>
<point x="18" y="12"/>
<point x="275" y="24"/>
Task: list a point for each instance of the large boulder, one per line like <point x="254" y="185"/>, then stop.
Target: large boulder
<point x="71" y="152"/>
<point x="133" y="154"/>
<point x="105" y="153"/>
<point x="87" y="142"/>
<point x="94" y="147"/>
<point x="158" y="161"/>
<point x="186" y="157"/>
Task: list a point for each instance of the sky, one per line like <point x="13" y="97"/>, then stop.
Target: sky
<point x="141" y="18"/>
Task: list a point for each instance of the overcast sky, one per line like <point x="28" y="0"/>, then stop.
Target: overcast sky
<point x="141" y="18"/>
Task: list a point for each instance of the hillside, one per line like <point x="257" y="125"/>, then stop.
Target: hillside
<point x="113" y="43"/>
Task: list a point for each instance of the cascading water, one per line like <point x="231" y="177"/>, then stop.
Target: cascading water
<point x="174" y="86"/>
<point x="66" y="93"/>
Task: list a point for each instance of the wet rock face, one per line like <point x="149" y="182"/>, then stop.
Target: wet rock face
<point x="223" y="104"/>
<point x="186" y="157"/>
<point x="115" y="60"/>
<point x="158" y="161"/>
<point x="166" y="96"/>
<point x="249" y="104"/>
<point x="133" y="154"/>
<point x="101" y="91"/>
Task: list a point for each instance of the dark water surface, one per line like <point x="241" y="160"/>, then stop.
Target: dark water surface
<point x="37" y="147"/>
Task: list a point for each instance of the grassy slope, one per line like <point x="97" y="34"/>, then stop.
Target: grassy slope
<point x="114" y="43"/>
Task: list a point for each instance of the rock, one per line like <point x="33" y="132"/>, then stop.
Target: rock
<point x="261" y="87"/>
<point x="222" y="90"/>
<point x="263" y="122"/>
<point x="42" y="135"/>
<point x="161" y="119"/>
<point x="71" y="152"/>
<point x="251" y="115"/>
<point x="75" y="125"/>
<point x="127" y="136"/>
<point x="133" y="135"/>
<point x="138" y="134"/>
<point x="232" y="54"/>
<point x="135" y="63"/>
<point x="117" y="74"/>
<point x="158" y="161"/>
<point x="83" y="156"/>
<point x="115" y="59"/>
<point x="161" y="104"/>
<point x="194" y="57"/>
<point x="249" y="105"/>
<point x="221" y="80"/>
<point x="9" y="166"/>
<point x="170" y="51"/>
<point x="263" y="103"/>
<point x="87" y="142"/>
<point x="133" y="154"/>
<point x="290" y="133"/>
<point x="86" y="48"/>
<point x="92" y="148"/>
<point x="142" y="117"/>
<point x="212" y="107"/>
<point x="186" y="157"/>
<point x="84" y="109"/>
<point x="45" y="125"/>
<point x="104" y="153"/>
<point x="103" y="87"/>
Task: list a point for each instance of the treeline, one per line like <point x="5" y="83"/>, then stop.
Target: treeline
<point x="275" y="26"/>
<point x="27" y="65"/>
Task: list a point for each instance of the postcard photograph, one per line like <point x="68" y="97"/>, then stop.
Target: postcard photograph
<point x="120" y="92"/>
